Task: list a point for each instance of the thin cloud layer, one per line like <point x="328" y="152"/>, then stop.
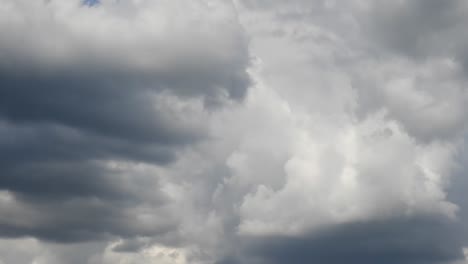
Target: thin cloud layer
<point x="219" y="132"/>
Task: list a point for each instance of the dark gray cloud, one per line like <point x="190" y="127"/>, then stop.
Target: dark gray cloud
<point x="408" y="241"/>
<point x="118" y="110"/>
<point x="79" y="220"/>
<point x="76" y="201"/>
<point x="419" y="29"/>
<point x="82" y="106"/>
<point x="457" y="192"/>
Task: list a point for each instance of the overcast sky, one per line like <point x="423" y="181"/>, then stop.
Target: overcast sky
<point x="233" y="132"/>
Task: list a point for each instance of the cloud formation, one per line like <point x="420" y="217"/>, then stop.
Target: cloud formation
<point x="89" y="92"/>
<point x="219" y="132"/>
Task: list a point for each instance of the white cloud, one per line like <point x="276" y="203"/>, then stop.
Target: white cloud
<point x="162" y="40"/>
<point x="306" y="157"/>
<point x="141" y="35"/>
<point x="151" y="254"/>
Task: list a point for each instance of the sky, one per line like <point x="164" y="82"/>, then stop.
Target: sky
<point x="233" y="132"/>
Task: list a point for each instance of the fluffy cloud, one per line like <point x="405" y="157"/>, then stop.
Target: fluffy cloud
<point x="247" y="132"/>
<point x="343" y="130"/>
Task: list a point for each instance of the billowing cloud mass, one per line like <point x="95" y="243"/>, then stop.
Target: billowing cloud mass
<point x="233" y="132"/>
<point x="91" y="95"/>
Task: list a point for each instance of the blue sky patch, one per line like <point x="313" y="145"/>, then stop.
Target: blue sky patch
<point x="90" y="2"/>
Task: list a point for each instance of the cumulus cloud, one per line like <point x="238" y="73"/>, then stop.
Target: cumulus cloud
<point x="233" y="132"/>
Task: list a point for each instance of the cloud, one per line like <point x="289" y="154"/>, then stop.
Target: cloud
<point x="423" y="240"/>
<point x="91" y="94"/>
<point x="418" y="29"/>
<point x="321" y="148"/>
<point x="232" y="132"/>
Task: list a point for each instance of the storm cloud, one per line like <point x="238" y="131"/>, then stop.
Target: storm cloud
<point x="233" y="132"/>
<point x="85" y="86"/>
<point x="393" y="241"/>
